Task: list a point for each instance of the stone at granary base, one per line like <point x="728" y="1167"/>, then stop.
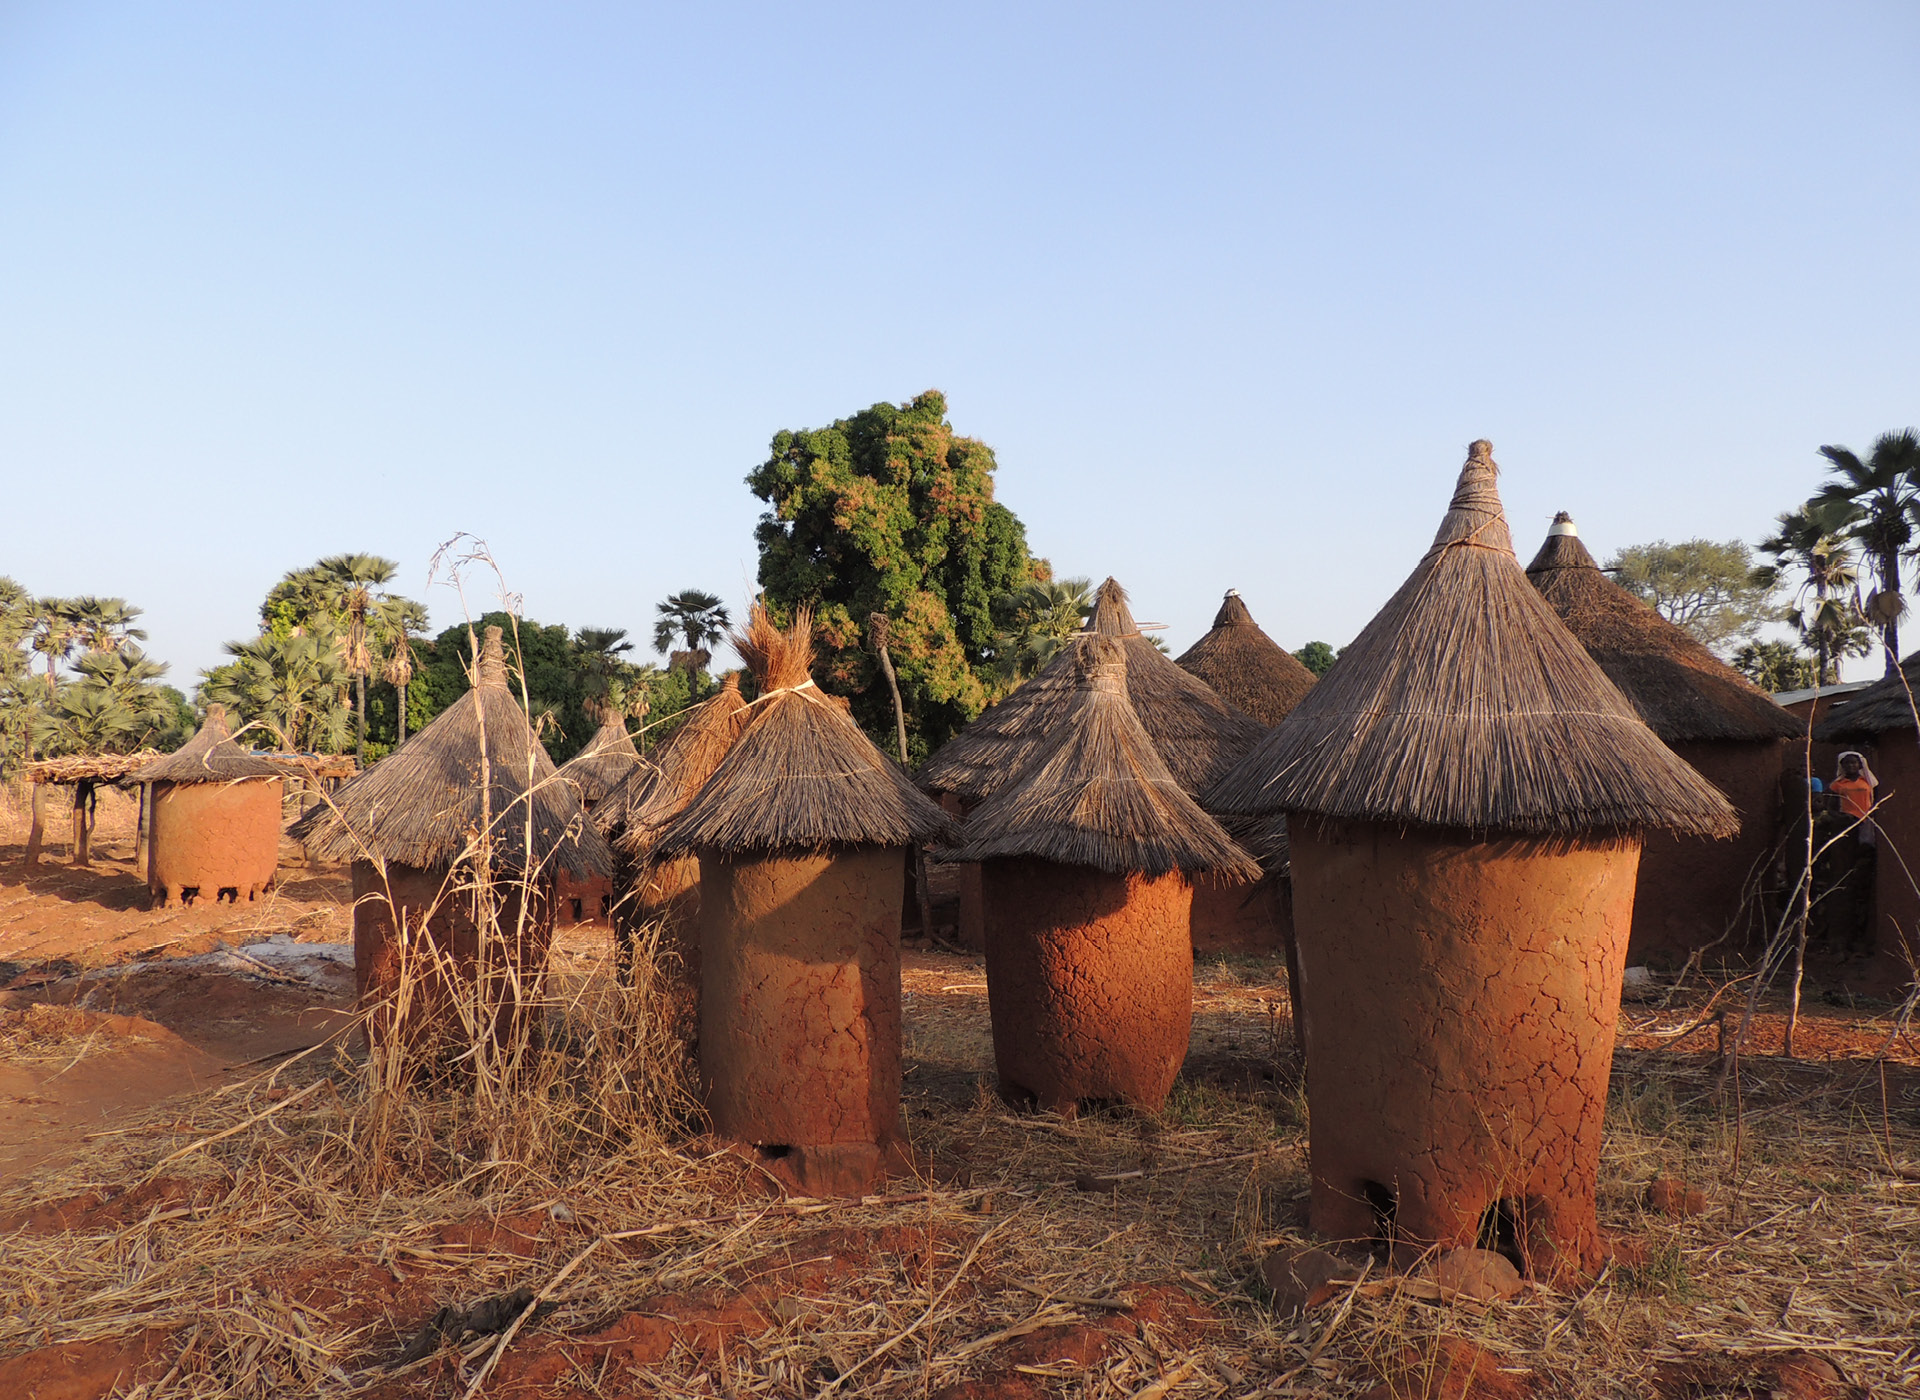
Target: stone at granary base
<point x="1479" y="1274"/>
<point x="1302" y="1278"/>
<point x="1671" y="1196"/>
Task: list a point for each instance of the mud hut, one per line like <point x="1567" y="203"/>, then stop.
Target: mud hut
<point x="650" y="890"/>
<point x="1692" y="893"/>
<point x="802" y="834"/>
<point x="593" y="773"/>
<point x="1880" y="721"/>
<point x="216" y="819"/>
<point x="1256" y="676"/>
<point x="1196" y="733"/>
<point x="1465" y="794"/>
<point x="457" y="840"/>
<point x="1087" y="859"/>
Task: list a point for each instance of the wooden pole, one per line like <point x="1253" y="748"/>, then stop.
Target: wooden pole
<point x="879" y="629"/>
<point x="82" y="824"/>
<point x="38" y="830"/>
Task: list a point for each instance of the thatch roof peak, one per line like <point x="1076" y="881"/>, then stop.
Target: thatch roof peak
<point x="210" y="756"/>
<point x="652" y="795"/>
<point x="801" y="776"/>
<point x="1245" y="667"/>
<point x="490" y="667"/>
<point x="1198" y="735"/>
<point x="478" y="767"/>
<point x="1466" y="704"/>
<point x="607" y="758"/>
<point x="1097" y="793"/>
<point x="1682" y="690"/>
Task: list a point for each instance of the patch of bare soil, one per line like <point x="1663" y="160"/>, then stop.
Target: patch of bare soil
<point x="238" y="1245"/>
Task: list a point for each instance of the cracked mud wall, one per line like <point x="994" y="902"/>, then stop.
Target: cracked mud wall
<point x="1090" y="982"/>
<point x="800" y="996"/>
<point x="1460" y="1002"/>
<point x="418" y="983"/>
<point x="214" y="836"/>
<point x="1689" y="888"/>
<point x="1233" y="917"/>
<point x="1896" y="912"/>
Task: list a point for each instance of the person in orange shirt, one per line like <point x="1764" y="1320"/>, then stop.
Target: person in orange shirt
<point x="1855" y="787"/>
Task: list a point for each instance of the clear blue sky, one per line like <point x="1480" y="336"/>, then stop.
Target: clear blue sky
<point x="1227" y="288"/>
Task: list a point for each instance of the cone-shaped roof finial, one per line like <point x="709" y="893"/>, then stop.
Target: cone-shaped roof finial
<point x="490" y="672"/>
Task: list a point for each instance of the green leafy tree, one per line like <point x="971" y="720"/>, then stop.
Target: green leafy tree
<point x="891" y="512"/>
<point x="1811" y="543"/>
<point x="1883" y="494"/>
<point x="1711" y="588"/>
<point x="696" y="618"/>
<point x="1317" y="657"/>
<point x="1776" y="666"/>
<point x="1035" y="621"/>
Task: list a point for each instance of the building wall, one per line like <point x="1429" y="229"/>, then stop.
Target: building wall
<point x="1895" y="940"/>
<point x="1691" y="890"/>
<point x="213" y="837"/>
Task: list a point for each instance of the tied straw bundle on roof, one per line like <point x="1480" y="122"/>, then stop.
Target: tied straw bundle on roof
<point x="477" y="767"/>
<point x="1197" y="734"/>
<point x="605" y="762"/>
<point x="1098" y="794"/>
<point x="210" y="756"/>
<point x="1467" y="704"/>
<point x="1683" y="691"/>
<point x="801" y="776"/>
<point x="650" y="797"/>
<point x="1245" y="667"/>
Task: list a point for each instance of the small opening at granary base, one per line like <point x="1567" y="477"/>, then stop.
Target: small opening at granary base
<point x="1500" y="1231"/>
<point x="1381" y="1201"/>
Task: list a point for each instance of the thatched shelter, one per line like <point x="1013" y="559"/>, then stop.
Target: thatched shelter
<point x="1465" y="795"/>
<point x="650" y="890"/>
<point x="215" y="828"/>
<point x="1692" y="893"/>
<point x="596" y="771"/>
<point x="1087" y="859"/>
<point x="1196" y="733"/>
<point x="802" y="833"/>
<point x="457" y="840"/>
<point x="1256" y="676"/>
<point x="1881" y="721"/>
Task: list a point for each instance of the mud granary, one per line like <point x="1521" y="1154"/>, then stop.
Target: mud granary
<point x="215" y="823"/>
<point x="1465" y="796"/>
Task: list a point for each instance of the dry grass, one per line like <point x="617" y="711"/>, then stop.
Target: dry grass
<point x="348" y="1220"/>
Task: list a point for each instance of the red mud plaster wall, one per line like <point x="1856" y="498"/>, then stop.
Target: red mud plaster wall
<point x="800" y="996"/>
<point x="1460" y="1009"/>
<point x="420" y="980"/>
<point x="1690" y="888"/>
<point x="1896" y="913"/>
<point x="1090" y="982"/>
<point x="1237" y="918"/>
<point x="214" y="836"/>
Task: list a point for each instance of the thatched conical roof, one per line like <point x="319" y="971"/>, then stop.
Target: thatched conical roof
<point x="478" y="765"/>
<point x="1245" y="667"/>
<point x="1097" y="793"/>
<point x="1198" y="735"/>
<point x="210" y="756"/>
<point x="599" y="767"/>
<point x="656" y="794"/>
<point x="1885" y="707"/>
<point x="1466" y="703"/>
<point x="1683" y="691"/>
<point x="801" y="776"/>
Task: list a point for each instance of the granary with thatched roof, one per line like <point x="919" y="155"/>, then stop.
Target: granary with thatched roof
<point x="1465" y="793"/>
<point x="1196" y="733"/>
<point x="802" y="833"/>
<point x="1880" y="722"/>
<point x="596" y="771"/>
<point x="1692" y="892"/>
<point x="457" y="840"/>
<point x="1087" y="861"/>
<point x="215" y="825"/>
<point x="1256" y="676"/>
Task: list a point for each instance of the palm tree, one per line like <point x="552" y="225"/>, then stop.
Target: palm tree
<point x="395" y="622"/>
<point x="1812" y="540"/>
<point x="1884" y="490"/>
<point x="597" y="652"/>
<point x="54" y="629"/>
<point x="1036" y="620"/>
<point x="346" y="583"/>
<point x="695" y="617"/>
<point x="104" y="624"/>
<point x="290" y="686"/>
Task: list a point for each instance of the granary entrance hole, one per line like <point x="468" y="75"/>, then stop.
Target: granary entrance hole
<point x="227" y="894"/>
<point x="1382" y="1202"/>
<point x="189" y="893"/>
<point x="576" y="909"/>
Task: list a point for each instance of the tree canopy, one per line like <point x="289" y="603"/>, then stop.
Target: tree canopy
<point x="1711" y="588"/>
<point x="890" y="511"/>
